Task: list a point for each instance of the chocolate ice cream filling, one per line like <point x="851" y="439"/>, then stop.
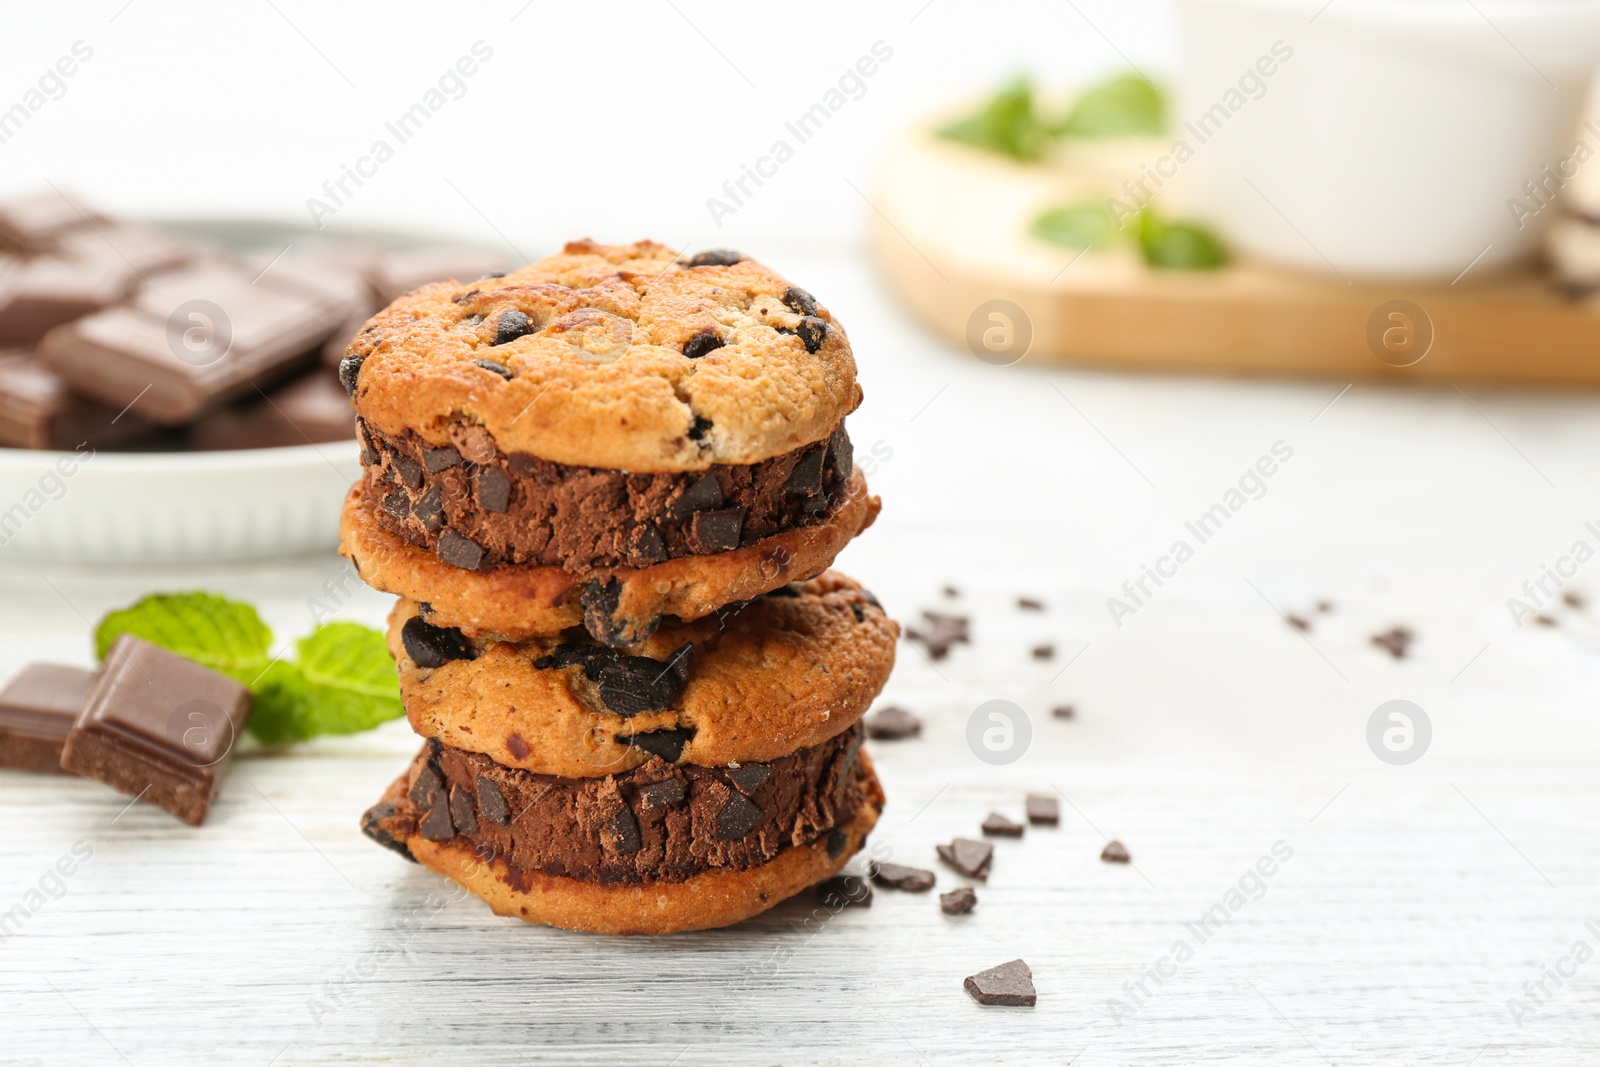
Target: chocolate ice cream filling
<point x="477" y="507"/>
<point x="658" y="822"/>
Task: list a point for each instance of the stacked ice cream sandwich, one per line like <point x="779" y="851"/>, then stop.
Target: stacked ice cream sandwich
<point x="607" y="488"/>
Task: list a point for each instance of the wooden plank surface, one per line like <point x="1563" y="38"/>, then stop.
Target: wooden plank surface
<point x="1416" y="901"/>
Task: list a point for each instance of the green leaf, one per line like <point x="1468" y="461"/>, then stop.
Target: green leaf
<point x="343" y="682"/>
<point x="1086" y="225"/>
<point x="1179" y="245"/>
<point x="1127" y="106"/>
<point x="213" y="631"/>
<point x="1007" y="124"/>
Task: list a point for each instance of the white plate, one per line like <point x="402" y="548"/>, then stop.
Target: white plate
<point x="150" y="507"/>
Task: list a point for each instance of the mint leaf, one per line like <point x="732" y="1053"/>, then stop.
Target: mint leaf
<point x="1007" y="124"/>
<point x="1086" y="225"/>
<point x="1127" y="106"/>
<point x="213" y="631"/>
<point x="343" y="682"/>
<point x="1179" y="245"/>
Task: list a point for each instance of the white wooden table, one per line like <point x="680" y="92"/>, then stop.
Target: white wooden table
<point x="1418" y="898"/>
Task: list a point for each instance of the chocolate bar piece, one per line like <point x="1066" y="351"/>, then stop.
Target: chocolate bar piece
<point x="336" y="273"/>
<point x="158" y="727"/>
<point x="191" y="342"/>
<point x="144" y="251"/>
<point x="37" y="410"/>
<point x="37" y="708"/>
<point x="34" y="223"/>
<point x="402" y="270"/>
<point x="310" y="410"/>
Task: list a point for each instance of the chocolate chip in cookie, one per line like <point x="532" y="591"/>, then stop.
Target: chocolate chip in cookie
<point x="812" y="331"/>
<point x="668" y="744"/>
<point x="497" y="368"/>
<point x="715" y="257"/>
<point x="372" y="824"/>
<point x="702" y="344"/>
<point x="512" y="325"/>
<point x="349" y="372"/>
<point x="799" y="301"/>
<point x="433" y="646"/>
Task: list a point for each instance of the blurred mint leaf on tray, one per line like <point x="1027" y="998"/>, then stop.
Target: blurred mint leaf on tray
<point x="342" y="680"/>
<point x="1086" y="225"/>
<point x="1008" y="123"/>
<point x="1126" y="106"/>
<point x="226" y="635"/>
<point x="1179" y="245"/>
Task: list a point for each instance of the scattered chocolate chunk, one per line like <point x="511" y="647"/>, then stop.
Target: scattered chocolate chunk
<point x="432" y="646"/>
<point x="1396" y="641"/>
<point x="492" y="802"/>
<point x="715" y="257"/>
<point x="494" y="490"/>
<point x="1043" y="810"/>
<point x="1115" y="852"/>
<point x="1064" y="711"/>
<point x="1324" y="606"/>
<point x="704" y="494"/>
<point x="429" y="509"/>
<point x="837" y="840"/>
<point x="497" y="368"/>
<point x="1009" y="985"/>
<point x="372" y="825"/>
<point x="1544" y="620"/>
<point x="664" y="794"/>
<point x="1573" y="599"/>
<point x="438" y="459"/>
<point x="747" y="777"/>
<point x="517" y="746"/>
<point x="624" y="831"/>
<point x="463" y="812"/>
<point x="898" y="876"/>
<point x="697" y="432"/>
<point x="668" y="744"/>
<point x="997" y="825"/>
<point x="1046" y="651"/>
<point x="799" y="301"/>
<point x="812" y="331"/>
<point x="350" y="372"/>
<point x="951" y="591"/>
<point x="892" y="724"/>
<point x="716" y="531"/>
<point x="702" y="344"/>
<point x="512" y="325"/>
<point x="1297" y="622"/>
<point x="409" y="470"/>
<point x="845" y="891"/>
<point x="971" y="858"/>
<point x="460" y="551"/>
<point x="1028" y="603"/>
<point x="738" y="817"/>
<point x="941" y="633"/>
<point x="958" y="901"/>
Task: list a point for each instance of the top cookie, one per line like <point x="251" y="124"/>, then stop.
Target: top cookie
<point x="627" y="357"/>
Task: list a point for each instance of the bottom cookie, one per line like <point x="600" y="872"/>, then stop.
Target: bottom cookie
<point x="710" y="899"/>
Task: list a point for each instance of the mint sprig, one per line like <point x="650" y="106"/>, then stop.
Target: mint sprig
<point x="1129" y="106"/>
<point x="342" y="680"/>
<point x="1085" y="225"/>
<point x="1007" y="123"/>
<point x="1011" y="123"/>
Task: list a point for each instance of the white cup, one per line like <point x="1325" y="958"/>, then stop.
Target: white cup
<point x="1392" y="138"/>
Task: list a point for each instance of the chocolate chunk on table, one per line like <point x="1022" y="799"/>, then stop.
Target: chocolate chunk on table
<point x="35" y="223"/>
<point x="958" y="901"/>
<point x="37" y="410"/>
<point x="897" y="876"/>
<point x="1115" y="852"/>
<point x="1043" y="810"/>
<point x="1396" y="641"/>
<point x="312" y="409"/>
<point x="892" y="724"/>
<point x="1008" y="985"/>
<point x="971" y="858"/>
<point x="845" y="891"/>
<point x="157" y="726"/>
<point x="37" y="709"/>
<point x="997" y="825"/>
<point x="190" y="342"/>
<point x="940" y="633"/>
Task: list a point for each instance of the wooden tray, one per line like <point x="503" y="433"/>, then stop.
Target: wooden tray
<point x="949" y="231"/>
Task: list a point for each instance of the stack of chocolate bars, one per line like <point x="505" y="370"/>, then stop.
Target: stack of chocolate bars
<point x="117" y="335"/>
<point x="607" y="488"/>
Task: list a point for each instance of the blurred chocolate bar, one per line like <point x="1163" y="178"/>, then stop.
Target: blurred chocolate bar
<point x="191" y="341"/>
<point x="402" y="270"/>
<point x="313" y="409"/>
<point x="158" y="727"/>
<point x="37" y="410"/>
<point x="37" y="709"/>
<point x="32" y="224"/>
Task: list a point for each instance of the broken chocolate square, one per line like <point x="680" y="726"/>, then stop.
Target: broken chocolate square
<point x="997" y="825"/>
<point x="1115" y="852"/>
<point x="958" y="901"/>
<point x="897" y="876"/>
<point x="37" y="709"/>
<point x="971" y="858"/>
<point x="1043" y="810"/>
<point x="1008" y="985"/>
<point x="892" y="724"/>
